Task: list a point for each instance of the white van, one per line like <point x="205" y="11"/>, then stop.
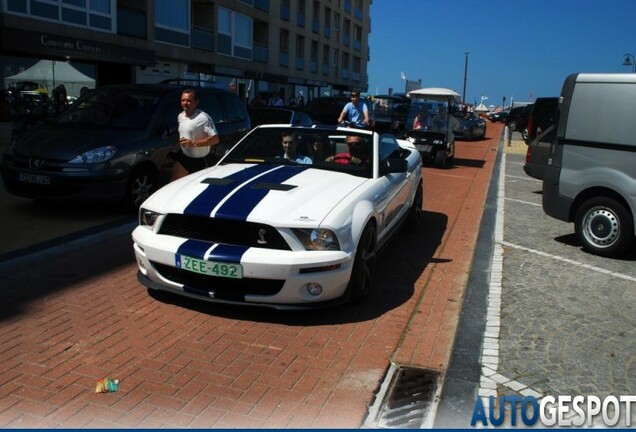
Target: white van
<point x="591" y="175"/>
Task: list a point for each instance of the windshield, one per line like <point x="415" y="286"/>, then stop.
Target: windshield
<point x="113" y="108"/>
<point x="332" y="150"/>
<point x="427" y="115"/>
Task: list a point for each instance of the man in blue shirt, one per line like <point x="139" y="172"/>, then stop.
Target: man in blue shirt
<point x="355" y="112"/>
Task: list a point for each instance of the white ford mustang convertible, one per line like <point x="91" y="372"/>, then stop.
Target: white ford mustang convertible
<point x="291" y="217"/>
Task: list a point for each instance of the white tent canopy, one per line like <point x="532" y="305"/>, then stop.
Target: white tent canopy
<point x="481" y="108"/>
<point x="51" y="73"/>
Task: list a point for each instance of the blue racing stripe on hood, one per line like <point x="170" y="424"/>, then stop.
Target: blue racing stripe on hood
<point x="207" y="200"/>
<point x="194" y="248"/>
<point x="243" y="201"/>
<point x="222" y="252"/>
<point x="228" y="253"/>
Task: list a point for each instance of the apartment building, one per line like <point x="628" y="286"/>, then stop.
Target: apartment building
<point x="313" y="47"/>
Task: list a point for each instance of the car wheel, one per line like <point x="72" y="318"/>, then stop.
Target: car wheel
<point x="141" y="184"/>
<point x="440" y="158"/>
<point x="604" y="227"/>
<point x="363" y="270"/>
<point x="414" y="218"/>
<point x="524" y="134"/>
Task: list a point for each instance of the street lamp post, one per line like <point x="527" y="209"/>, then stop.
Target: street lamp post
<point x="629" y="60"/>
<point x="465" y="76"/>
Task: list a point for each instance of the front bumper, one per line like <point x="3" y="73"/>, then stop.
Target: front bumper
<point x="273" y="278"/>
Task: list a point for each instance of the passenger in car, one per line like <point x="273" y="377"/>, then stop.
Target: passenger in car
<point x="197" y="134"/>
<point x="289" y="149"/>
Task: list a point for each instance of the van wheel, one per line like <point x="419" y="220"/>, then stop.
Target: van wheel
<point x="141" y="184"/>
<point x="440" y="158"/>
<point x="604" y="227"/>
<point x="363" y="270"/>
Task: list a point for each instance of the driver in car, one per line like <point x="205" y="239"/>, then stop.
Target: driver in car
<point x="357" y="154"/>
<point x="289" y="149"/>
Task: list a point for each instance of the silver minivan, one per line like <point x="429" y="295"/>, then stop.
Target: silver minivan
<point x="591" y="175"/>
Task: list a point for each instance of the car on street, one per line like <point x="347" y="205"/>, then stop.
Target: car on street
<point x="498" y="116"/>
<point x="390" y="113"/>
<point x="114" y="144"/>
<point x="538" y="153"/>
<point x="542" y="115"/>
<point x="273" y="115"/>
<point x="470" y="126"/>
<point x="263" y="230"/>
<point x="517" y="119"/>
<point x="326" y="109"/>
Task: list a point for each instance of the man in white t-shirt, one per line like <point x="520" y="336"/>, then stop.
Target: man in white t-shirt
<point x="197" y="134"/>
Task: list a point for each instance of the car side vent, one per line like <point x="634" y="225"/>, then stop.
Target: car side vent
<point x="273" y="186"/>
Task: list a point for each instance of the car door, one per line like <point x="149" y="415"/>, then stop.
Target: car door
<point x="396" y="186"/>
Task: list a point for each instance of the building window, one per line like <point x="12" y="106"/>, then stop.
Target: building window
<point x="234" y="34"/>
<point x="173" y="14"/>
<point x="96" y="14"/>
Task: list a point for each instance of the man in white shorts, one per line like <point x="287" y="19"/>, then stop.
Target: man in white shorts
<point x="197" y="134"/>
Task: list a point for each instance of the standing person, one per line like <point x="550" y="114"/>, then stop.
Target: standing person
<point x="197" y="134"/>
<point x="355" y="112"/>
<point x="276" y="100"/>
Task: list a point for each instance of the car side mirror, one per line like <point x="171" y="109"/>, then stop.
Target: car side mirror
<point x="393" y="165"/>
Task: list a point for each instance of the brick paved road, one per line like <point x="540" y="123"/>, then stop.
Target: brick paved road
<point x="76" y="314"/>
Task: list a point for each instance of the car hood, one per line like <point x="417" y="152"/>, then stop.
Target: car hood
<point x="66" y="142"/>
<point x="278" y="195"/>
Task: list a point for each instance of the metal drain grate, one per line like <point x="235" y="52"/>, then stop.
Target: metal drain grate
<point x="409" y="400"/>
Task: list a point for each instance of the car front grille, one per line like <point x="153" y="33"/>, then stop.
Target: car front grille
<point x="224" y="231"/>
<point x="218" y="287"/>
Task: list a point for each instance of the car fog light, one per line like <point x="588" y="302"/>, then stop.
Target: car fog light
<point x="314" y="289"/>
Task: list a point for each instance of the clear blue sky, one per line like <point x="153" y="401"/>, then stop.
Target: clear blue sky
<point x="517" y="48"/>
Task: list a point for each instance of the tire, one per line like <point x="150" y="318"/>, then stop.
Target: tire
<point x="414" y="218"/>
<point x="440" y="158"/>
<point x="361" y="282"/>
<point x="141" y="184"/>
<point x="524" y="134"/>
<point x="604" y="227"/>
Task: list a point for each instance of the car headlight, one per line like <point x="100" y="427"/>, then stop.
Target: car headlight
<point x="148" y="217"/>
<point x="437" y="141"/>
<point x="97" y="155"/>
<point x="317" y="239"/>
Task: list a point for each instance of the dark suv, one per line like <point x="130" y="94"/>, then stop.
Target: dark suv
<point x="114" y="143"/>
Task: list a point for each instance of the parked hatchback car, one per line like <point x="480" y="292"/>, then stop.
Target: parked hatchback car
<point x="538" y="153"/>
<point x="261" y="229"/>
<point x="114" y="143"/>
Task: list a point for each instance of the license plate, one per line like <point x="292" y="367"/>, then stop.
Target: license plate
<point x="210" y="268"/>
<point x="425" y="148"/>
<point x="34" y="178"/>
